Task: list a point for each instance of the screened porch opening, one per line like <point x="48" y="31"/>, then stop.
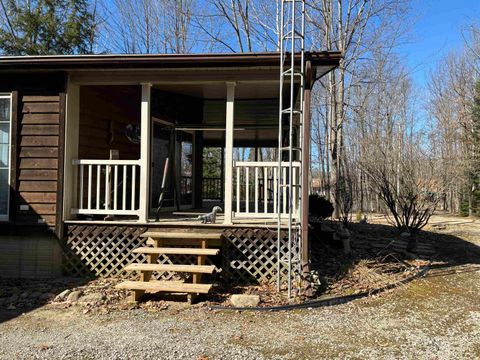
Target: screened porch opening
<point x="184" y="157"/>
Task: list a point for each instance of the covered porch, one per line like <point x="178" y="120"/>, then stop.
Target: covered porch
<point x="200" y="143"/>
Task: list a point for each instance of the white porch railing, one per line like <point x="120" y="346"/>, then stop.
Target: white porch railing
<point x="256" y="189"/>
<point x="108" y="187"/>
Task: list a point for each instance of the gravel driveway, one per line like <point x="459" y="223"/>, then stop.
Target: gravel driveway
<point x="437" y="317"/>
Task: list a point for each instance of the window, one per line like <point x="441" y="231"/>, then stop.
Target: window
<point x="5" y="140"/>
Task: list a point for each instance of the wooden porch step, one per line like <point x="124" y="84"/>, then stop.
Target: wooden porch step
<point x="166" y="286"/>
<point x="196" y="269"/>
<point x="176" y="251"/>
<point x="158" y="235"/>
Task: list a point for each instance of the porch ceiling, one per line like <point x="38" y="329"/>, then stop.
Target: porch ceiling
<point x="243" y="90"/>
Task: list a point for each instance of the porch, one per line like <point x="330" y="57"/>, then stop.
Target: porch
<point x="195" y="145"/>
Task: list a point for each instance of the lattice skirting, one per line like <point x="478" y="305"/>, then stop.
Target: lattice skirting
<point x="247" y="255"/>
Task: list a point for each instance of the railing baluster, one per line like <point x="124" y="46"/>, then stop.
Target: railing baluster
<point x="284" y="187"/>
<point x="275" y="190"/>
<point x="99" y="174"/>
<point x="81" y="187"/>
<point x="134" y="175"/>
<point x="107" y="187"/>
<point x="89" y="189"/>
<point x="124" y="188"/>
<point x="265" y="190"/>
<point x="294" y="189"/>
<point x="115" y="186"/>
<point x="247" y="190"/>
<point x="256" y="189"/>
<point x="238" y="189"/>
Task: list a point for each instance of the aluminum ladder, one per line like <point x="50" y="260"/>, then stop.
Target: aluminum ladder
<point x="292" y="73"/>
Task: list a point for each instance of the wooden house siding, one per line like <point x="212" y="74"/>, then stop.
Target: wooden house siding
<point x="38" y="102"/>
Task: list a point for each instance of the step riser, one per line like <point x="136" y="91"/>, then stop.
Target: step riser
<point x="177" y="251"/>
<point x="161" y="235"/>
<point x="185" y="242"/>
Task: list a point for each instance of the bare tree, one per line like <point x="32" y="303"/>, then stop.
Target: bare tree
<point x="149" y="26"/>
<point x="356" y="28"/>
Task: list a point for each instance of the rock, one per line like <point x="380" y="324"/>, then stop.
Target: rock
<point x="24" y="295"/>
<point x="92" y="298"/>
<point x="74" y="296"/>
<point x="63" y="295"/>
<point x="242" y="300"/>
<point x="11" y="307"/>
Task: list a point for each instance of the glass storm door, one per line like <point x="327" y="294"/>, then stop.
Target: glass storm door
<point x="5" y="123"/>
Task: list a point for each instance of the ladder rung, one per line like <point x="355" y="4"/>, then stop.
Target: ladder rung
<point x="287" y="111"/>
<point x="289" y="72"/>
<point x="285" y="148"/>
<point x="292" y="185"/>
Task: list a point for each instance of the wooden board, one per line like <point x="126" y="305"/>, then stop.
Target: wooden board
<point x="39" y="152"/>
<point x="165" y="286"/>
<point x="176" y="251"/>
<point x="181" y="235"/>
<point x="205" y="269"/>
<point x="38" y="174"/>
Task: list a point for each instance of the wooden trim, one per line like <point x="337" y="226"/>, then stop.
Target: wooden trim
<point x="71" y="137"/>
<point x="229" y="151"/>
<point x="306" y="165"/>
<point x="61" y="166"/>
<point x="145" y="149"/>
<point x="13" y="156"/>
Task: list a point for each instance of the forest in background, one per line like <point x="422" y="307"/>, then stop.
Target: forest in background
<point x="377" y="141"/>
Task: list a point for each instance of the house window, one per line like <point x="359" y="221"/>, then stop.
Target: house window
<point x="5" y="141"/>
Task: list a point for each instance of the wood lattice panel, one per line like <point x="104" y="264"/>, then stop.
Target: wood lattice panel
<point x="250" y="255"/>
<point x="247" y="255"/>
<point x="101" y="251"/>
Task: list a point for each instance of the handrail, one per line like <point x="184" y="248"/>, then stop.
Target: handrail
<point x="104" y="162"/>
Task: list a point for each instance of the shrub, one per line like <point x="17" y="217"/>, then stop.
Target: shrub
<point x="319" y="206"/>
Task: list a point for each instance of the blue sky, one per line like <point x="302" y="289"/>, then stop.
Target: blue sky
<point x="437" y="30"/>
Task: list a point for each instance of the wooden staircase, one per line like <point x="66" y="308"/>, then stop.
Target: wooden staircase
<point x="162" y="242"/>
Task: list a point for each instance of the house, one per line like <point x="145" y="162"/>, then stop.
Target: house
<point x="85" y="143"/>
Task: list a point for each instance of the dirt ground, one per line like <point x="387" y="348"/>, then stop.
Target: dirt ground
<point x="436" y="317"/>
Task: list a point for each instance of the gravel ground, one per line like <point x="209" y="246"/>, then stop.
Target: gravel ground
<point x="437" y="317"/>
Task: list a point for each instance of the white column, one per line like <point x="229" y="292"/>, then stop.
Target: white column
<point x="229" y="152"/>
<point x="145" y="124"/>
<point x="72" y="118"/>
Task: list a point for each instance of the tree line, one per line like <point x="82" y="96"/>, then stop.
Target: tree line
<point x="376" y="143"/>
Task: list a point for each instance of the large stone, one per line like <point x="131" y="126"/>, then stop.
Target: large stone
<point x="74" y="296"/>
<point x="242" y="300"/>
<point x="92" y="298"/>
<point x="63" y="295"/>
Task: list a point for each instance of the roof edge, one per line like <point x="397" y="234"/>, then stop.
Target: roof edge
<point x="119" y="61"/>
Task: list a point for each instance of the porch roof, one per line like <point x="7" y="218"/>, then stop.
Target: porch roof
<point x="158" y="61"/>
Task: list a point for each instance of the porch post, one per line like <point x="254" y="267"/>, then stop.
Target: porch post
<point x="71" y="150"/>
<point x="306" y="166"/>
<point x="145" y="124"/>
<point x="229" y="152"/>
